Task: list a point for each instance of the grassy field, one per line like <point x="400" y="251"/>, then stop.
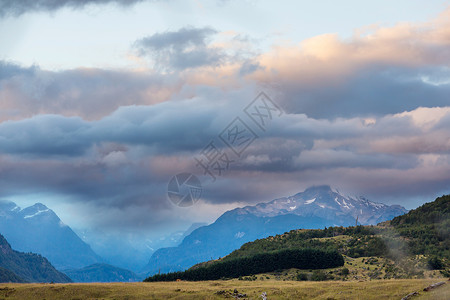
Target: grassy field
<point x="375" y="289"/>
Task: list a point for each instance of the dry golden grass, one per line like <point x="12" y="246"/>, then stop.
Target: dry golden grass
<point x="441" y="293"/>
<point x="375" y="289"/>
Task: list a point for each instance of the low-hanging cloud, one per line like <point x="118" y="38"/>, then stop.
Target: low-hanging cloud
<point x="125" y="159"/>
<point x="369" y="115"/>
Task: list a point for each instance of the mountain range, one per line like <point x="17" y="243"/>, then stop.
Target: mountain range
<point x="316" y="207"/>
<point x="131" y="250"/>
<point x="17" y="266"/>
<point x="408" y="246"/>
<point x="102" y="273"/>
<point x="38" y="229"/>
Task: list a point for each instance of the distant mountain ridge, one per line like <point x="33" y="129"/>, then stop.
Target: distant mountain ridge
<point x="322" y="201"/>
<point x="102" y="273"/>
<point x="316" y="207"/>
<point x="131" y="251"/>
<point x="17" y="266"/>
<point x="39" y="230"/>
<point x="406" y="242"/>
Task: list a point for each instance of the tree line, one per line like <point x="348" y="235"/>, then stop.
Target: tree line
<point x="260" y="263"/>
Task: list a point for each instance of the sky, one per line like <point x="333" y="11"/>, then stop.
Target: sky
<point x="103" y="102"/>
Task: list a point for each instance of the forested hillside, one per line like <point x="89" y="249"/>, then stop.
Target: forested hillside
<point x="258" y="263"/>
<point x="422" y="231"/>
<point x="427" y="228"/>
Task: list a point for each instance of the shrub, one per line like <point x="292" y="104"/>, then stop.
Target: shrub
<point x="345" y="271"/>
<point x="302" y="277"/>
<point x="319" y="275"/>
<point x="435" y="263"/>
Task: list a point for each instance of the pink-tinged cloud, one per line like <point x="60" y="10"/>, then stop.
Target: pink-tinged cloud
<point x="370" y="115"/>
<point x="88" y="93"/>
<point x="327" y="57"/>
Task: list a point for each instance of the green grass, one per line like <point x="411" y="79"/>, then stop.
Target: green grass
<point x="375" y="289"/>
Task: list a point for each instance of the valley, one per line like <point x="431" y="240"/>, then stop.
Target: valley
<point x="218" y="149"/>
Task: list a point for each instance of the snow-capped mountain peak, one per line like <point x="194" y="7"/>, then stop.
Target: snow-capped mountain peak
<point x="36" y="213"/>
<point x="38" y="229"/>
<point x="37" y="210"/>
<point x="324" y="201"/>
<point x="316" y="207"/>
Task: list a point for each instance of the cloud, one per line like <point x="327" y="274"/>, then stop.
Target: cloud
<point x="182" y="49"/>
<point x="122" y="162"/>
<point x="8" y="70"/>
<point x="19" y="7"/>
<point x="185" y="37"/>
<point x="150" y="126"/>
<point x="43" y="135"/>
<point x="85" y="92"/>
<point x="386" y="71"/>
<point x="294" y="143"/>
<point x="369" y="115"/>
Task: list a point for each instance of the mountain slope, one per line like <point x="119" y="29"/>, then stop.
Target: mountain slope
<point x="102" y="273"/>
<point x="316" y="207"/>
<point x="38" y="229"/>
<point x="405" y="247"/>
<point x="131" y="250"/>
<point x="28" y="266"/>
<point x="9" y="276"/>
<point x="422" y="231"/>
<point x="426" y="228"/>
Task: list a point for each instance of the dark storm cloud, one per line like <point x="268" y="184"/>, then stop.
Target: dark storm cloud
<point x="124" y="161"/>
<point x="113" y="139"/>
<point x="370" y="92"/>
<point x="44" y="135"/>
<point x="19" y="7"/>
<point x="168" y="127"/>
<point x="104" y="189"/>
<point x="188" y="126"/>
<point x="324" y="159"/>
<point x="164" y="128"/>
<point x="120" y="154"/>
<point x="182" y="49"/>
